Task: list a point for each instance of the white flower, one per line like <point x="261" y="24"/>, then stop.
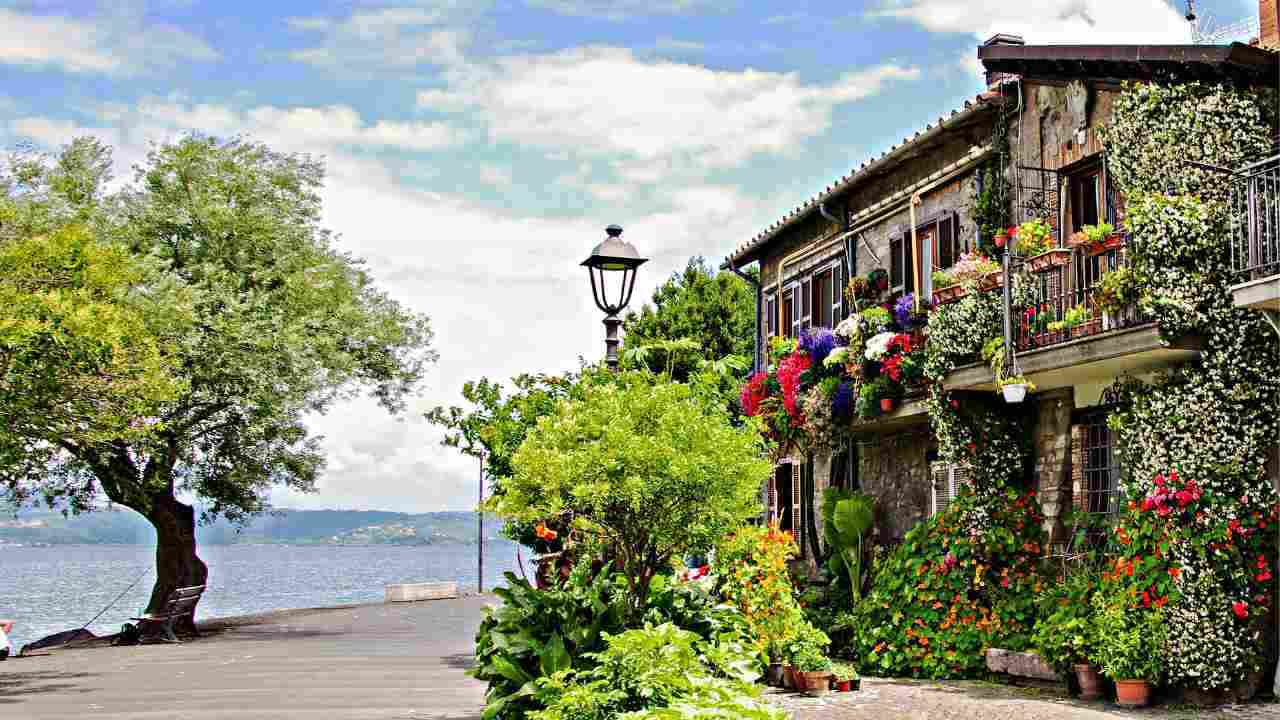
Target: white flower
<point x="839" y="356"/>
<point x="878" y="346"/>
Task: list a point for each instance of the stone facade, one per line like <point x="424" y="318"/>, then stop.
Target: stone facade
<point x="1053" y="459"/>
<point x="894" y="469"/>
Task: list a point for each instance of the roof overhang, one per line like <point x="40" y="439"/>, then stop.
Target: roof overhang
<point x="909" y="148"/>
<point x="1237" y="63"/>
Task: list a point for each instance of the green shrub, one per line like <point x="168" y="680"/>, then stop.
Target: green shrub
<point x="961" y="582"/>
<point x="1065" y="634"/>
<point x="1130" y="640"/>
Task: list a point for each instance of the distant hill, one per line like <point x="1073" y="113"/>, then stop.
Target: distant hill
<point x="296" y="527"/>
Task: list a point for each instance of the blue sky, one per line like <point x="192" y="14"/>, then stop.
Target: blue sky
<point x="477" y="149"/>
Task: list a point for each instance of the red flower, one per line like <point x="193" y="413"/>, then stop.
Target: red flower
<point x="1174" y="572"/>
<point x="1161" y="601"/>
<point x="1241" y="609"/>
<point x="1262" y="562"/>
<point x="1264" y="576"/>
<point x="1146" y="599"/>
<point x="1148" y="504"/>
<point x="789" y="372"/>
<point x="753" y="393"/>
<point x="1160" y="480"/>
<point x="893" y="367"/>
<point x="1004" y="582"/>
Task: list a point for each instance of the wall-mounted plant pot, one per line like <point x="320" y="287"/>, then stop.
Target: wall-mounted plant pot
<point x="1111" y="242"/>
<point x="1089" y="681"/>
<point x="949" y="294"/>
<point x="887" y="405"/>
<point x="1014" y="392"/>
<point x="991" y="281"/>
<point x="1133" y="693"/>
<point x="1046" y="261"/>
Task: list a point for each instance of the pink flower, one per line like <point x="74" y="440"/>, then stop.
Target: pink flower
<point x="1148" y="504"/>
<point x="1160" y="480"/>
<point x="789" y="372"/>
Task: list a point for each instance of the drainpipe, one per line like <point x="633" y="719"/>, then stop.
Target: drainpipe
<point x="915" y="251"/>
<point x="1273" y="319"/>
<point x="755" y="360"/>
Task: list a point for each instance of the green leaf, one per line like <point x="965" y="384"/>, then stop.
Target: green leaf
<point x="554" y="657"/>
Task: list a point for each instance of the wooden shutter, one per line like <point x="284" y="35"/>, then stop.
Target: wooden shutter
<point x="896" y="266"/>
<point x="797" y="518"/>
<point x="948" y="246"/>
<point x="947" y="481"/>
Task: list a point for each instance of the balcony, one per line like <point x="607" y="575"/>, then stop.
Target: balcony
<point x="1062" y="335"/>
<point x="1255" y="235"/>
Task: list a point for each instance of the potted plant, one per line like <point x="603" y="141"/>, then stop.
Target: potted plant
<point x="886" y="393"/>
<point x="1013" y="387"/>
<point x="774" y="672"/>
<point x="1002" y="237"/>
<point x="813" y="672"/>
<point x="878" y="279"/>
<point x="946" y="289"/>
<point x="1130" y="644"/>
<point x="1074" y="321"/>
<point x="1101" y="237"/>
<point x="1035" y="242"/>
<point x="846" y="677"/>
<point x="1115" y="294"/>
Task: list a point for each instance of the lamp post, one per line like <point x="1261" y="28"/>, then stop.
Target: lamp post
<point x="612" y="267"/>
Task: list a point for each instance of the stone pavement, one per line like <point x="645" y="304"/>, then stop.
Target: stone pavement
<point x="371" y="662"/>
<point x="965" y="700"/>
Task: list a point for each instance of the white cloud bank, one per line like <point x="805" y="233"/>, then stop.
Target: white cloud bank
<point x="1048" y="21"/>
<point x="108" y="45"/>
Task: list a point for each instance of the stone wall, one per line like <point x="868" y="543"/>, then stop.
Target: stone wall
<point x="1053" y="468"/>
<point x="894" y="469"/>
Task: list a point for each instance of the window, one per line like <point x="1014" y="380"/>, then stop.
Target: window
<point x="1099" y="478"/>
<point x="788" y="312"/>
<point x="947" y="481"/>
<point x="941" y="247"/>
<point x="771" y="316"/>
<point x="901" y="273"/>
<point x="1086" y="190"/>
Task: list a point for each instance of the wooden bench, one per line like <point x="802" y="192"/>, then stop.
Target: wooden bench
<point x="180" y="604"/>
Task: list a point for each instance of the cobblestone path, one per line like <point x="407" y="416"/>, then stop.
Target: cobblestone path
<point x="964" y="700"/>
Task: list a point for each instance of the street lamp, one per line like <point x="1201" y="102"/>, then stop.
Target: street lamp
<point x="612" y="267"/>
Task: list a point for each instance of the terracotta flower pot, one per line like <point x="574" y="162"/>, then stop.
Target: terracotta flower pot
<point x="814" y="684"/>
<point x="773" y="675"/>
<point x="789" y="677"/>
<point x="887" y="404"/>
<point x="1090" y="682"/>
<point x="1002" y="239"/>
<point x="1107" y="244"/>
<point x="1133" y="693"/>
<point x="844" y="685"/>
<point x="949" y="294"/>
<point x="1048" y="260"/>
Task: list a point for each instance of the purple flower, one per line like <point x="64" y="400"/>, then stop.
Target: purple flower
<point x="842" y="400"/>
<point x="903" y="310"/>
<point x="818" y="343"/>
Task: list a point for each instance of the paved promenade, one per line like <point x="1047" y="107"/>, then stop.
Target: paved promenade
<point x="402" y="662"/>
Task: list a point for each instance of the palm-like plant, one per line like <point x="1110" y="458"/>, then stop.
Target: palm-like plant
<point x="846" y="518"/>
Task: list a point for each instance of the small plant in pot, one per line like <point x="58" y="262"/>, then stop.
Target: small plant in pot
<point x="846" y="677"/>
<point x="1130" y="645"/>
<point x="806" y="653"/>
<point x="1064" y="636"/>
<point x="886" y="392"/>
<point x="774" y="671"/>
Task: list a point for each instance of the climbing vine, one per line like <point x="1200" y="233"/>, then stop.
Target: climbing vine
<point x="1199" y="530"/>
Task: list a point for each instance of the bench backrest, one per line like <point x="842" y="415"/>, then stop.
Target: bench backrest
<point x="183" y="600"/>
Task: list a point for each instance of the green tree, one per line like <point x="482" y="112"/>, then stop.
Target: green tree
<point x="642" y="472"/>
<point x="280" y="325"/>
<point x="714" y="311"/>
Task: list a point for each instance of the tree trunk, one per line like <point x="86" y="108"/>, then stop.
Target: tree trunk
<point x="177" y="564"/>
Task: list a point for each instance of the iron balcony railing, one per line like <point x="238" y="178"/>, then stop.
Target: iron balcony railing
<point x="1061" y="305"/>
<point x="1255" y="220"/>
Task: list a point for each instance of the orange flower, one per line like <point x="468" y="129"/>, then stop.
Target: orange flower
<point x="543" y="532"/>
<point x="1174" y="572"/>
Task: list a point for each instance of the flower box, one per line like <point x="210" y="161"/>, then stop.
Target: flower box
<point x="1111" y="242"/>
<point x="991" y="281"/>
<point x="949" y="294"/>
<point x="1046" y="261"/>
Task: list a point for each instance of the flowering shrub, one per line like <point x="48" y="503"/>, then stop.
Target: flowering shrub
<point x="960" y="583"/>
<point x="972" y="267"/>
<point x="1034" y="237"/>
<point x="754" y="578"/>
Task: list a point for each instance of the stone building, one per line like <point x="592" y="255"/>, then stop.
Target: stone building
<point x="912" y="210"/>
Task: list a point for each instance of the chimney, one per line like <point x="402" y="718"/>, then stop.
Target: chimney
<point x="995" y="79"/>
<point x="1269" y="24"/>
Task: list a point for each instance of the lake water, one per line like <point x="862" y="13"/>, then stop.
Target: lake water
<point x="60" y="587"/>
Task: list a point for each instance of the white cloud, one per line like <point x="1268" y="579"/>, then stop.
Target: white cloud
<point x="1048" y="21"/>
<point x="300" y="129"/>
<point x="649" y="118"/>
<point x="390" y="37"/>
<point x="109" y="45"/>
<point x="504" y="290"/>
<point x="624" y="9"/>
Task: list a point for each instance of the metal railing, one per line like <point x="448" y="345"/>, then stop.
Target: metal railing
<point x="1057" y="292"/>
<point x="1255" y="220"/>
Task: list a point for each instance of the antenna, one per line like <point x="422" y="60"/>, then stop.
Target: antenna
<point x="1205" y="31"/>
